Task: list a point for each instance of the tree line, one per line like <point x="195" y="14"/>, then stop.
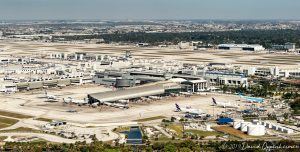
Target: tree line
<point x="183" y="146"/>
<point x="262" y="37"/>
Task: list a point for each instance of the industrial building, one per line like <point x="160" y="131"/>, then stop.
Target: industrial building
<point x="143" y="44"/>
<point x="184" y="45"/>
<point x="285" y="47"/>
<point x="274" y="126"/>
<point x="193" y="45"/>
<point x="242" y="47"/>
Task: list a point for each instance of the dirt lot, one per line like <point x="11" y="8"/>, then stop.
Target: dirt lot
<point x="231" y="131"/>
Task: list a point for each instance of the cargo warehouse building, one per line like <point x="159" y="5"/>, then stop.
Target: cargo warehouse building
<point x="242" y="47"/>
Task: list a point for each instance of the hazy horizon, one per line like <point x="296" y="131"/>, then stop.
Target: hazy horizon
<point x="149" y="10"/>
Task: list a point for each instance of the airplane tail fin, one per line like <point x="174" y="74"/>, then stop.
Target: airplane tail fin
<point x="86" y="100"/>
<point x="177" y="107"/>
<point x="214" y="101"/>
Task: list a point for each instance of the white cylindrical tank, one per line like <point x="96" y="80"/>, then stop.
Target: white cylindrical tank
<point x="237" y="124"/>
<point x="81" y="57"/>
<point x="288" y="131"/>
<point x="256" y="130"/>
<point x="280" y="129"/>
<point x="255" y="121"/>
<point x="274" y="127"/>
<point x="65" y="56"/>
<point x="244" y="126"/>
<point x="269" y="125"/>
<point x="76" y="56"/>
<point x="208" y="127"/>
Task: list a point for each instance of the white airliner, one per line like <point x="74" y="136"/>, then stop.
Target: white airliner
<point x="107" y="103"/>
<point x="50" y="97"/>
<point x="75" y="101"/>
<point x="145" y="99"/>
<point x="116" y="105"/>
<point x="189" y="110"/>
<point x="186" y="93"/>
<point x="154" y="97"/>
<point x="224" y="104"/>
<point x="123" y="101"/>
<point x="72" y="111"/>
<point x="174" y="94"/>
<point x="94" y="105"/>
<point x="252" y="99"/>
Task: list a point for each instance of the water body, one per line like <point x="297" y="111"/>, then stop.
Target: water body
<point x="134" y="136"/>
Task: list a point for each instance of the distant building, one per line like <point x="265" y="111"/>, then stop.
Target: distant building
<point x="285" y="47"/>
<point x="193" y="45"/>
<point x="184" y="45"/>
<point x="94" y="41"/>
<point x="143" y="44"/>
<point x="273" y="71"/>
<point x="243" y="47"/>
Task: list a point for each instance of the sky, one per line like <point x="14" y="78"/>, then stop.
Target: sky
<point x="148" y="9"/>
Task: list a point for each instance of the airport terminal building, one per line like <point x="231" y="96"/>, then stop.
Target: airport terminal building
<point x="156" y="89"/>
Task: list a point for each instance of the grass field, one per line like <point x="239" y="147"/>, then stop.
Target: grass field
<point x="178" y="128"/>
<point x="22" y="129"/>
<point x="122" y="129"/>
<point x="231" y="131"/>
<point x="2" y="138"/>
<point x="203" y="133"/>
<point x="14" y="115"/>
<point x="150" y="119"/>
<point x="6" y="122"/>
<point x="44" y="119"/>
<point x="4" y="125"/>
